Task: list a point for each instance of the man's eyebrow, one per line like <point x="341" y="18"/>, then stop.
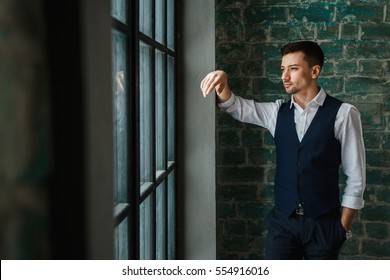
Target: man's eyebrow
<point x="291" y="65"/>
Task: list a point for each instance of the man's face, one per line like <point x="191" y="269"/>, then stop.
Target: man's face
<point x="297" y="76"/>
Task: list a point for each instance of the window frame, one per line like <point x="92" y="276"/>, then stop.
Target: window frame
<point x="137" y="193"/>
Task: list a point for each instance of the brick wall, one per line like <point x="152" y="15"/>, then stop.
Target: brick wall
<point x="355" y="36"/>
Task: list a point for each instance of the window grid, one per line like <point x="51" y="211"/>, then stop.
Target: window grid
<point x="148" y="212"/>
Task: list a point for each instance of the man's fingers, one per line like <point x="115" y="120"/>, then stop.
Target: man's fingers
<point x="204" y="85"/>
<point x="209" y="83"/>
<point x="209" y="88"/>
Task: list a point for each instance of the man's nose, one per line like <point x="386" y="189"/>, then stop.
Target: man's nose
<point x="285" y="76"/>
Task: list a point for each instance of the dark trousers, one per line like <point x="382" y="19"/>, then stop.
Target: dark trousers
<point x="300" y="237"/>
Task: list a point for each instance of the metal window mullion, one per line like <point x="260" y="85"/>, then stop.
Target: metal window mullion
<point x="121" y="212"/>
<point x="135" y="192"/>
<point x="153" y="194"/>
<point x="153" y="19"/>
<point x="153" y="186"/>
<point x="153" y="110"/>
<point x="141" y="37"/>
<point x="166" y="128"/>
<point x="154" y="226"/>
<point x="157" y="45"/>
<point x="175" y="126"/>
<point x="154" y="137"/>
<point x="120" y="26"/>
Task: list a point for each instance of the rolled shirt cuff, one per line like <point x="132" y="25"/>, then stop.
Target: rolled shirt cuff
<point x="227" y="103"/>
<point x="352" y="202"/>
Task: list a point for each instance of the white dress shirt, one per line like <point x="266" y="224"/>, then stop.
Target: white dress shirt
<point x="347" y="129"/>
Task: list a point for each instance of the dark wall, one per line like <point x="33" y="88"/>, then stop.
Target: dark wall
<point x="25" y="141"/>
<point x="42" y="175"/>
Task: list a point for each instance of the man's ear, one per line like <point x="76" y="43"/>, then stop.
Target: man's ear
<point x="316" y="71"/>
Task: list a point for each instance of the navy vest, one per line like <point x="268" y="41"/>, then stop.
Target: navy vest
<point x="307" y="172"/>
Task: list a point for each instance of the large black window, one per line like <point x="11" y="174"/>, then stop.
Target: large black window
<point x="143" y="73"/>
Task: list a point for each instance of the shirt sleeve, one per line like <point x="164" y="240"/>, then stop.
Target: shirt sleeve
<point x="353" y="157"/>
<point x="263" y="114"/>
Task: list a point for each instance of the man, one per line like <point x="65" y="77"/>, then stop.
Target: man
<point x="314" y="134"/>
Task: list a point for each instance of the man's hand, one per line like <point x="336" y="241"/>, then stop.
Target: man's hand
<point x="347" y="217"/>
<point x="216" y="80"/>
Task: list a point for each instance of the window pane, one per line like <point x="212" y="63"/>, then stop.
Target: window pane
<point x="171" y="216"/>
<point x="146" y="114"/>
<point x="161" y="220"/>
<point x="119" y="76"/>
<point x="145" y="17"/>
<point x="146" y="229"/>
<point x="171" y="24"/>
<point x="119" y="10"/>
<point x="171" y="108"/>
<point x="160" y="21"/>
<point x="121" y="241"/>
<point x="160" y="111"/>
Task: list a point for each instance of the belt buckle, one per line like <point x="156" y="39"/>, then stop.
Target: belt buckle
<point x="299" y="210"/>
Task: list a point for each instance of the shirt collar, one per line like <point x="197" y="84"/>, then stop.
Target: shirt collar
<point x="319" y="99"/>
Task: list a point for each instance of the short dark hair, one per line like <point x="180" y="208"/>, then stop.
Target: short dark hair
<point x="312" y="51"/>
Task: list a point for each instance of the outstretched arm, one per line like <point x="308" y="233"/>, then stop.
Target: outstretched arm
<point x="216" y="80"/>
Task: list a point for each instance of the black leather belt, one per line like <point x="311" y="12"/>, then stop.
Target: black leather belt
<point x="300" y="211"/>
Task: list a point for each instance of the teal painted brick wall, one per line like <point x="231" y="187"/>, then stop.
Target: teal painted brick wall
<point x="355" y="36"/>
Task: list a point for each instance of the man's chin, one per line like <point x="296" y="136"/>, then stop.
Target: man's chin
<point x="291" y="91"/>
